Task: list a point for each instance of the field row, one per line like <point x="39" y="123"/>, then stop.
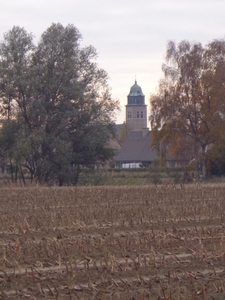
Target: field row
<point x="113" y="243"/>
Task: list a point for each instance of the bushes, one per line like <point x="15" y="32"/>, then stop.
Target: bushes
<point x="130" y="176"/>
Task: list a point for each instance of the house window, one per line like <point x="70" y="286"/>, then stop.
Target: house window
<point x="142" y="114"/>
<point x="137" y="114"/>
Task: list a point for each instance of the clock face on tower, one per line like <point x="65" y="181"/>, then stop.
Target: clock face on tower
<point x="139" y="99"/>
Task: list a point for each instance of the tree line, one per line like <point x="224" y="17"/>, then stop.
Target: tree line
<point x="188" y="109"/>
<point x="56" y="110"/>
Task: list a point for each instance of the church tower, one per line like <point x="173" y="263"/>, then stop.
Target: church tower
<point x="136" y="109"/>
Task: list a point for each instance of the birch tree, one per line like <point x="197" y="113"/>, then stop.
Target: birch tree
<point x="188" y="104"/>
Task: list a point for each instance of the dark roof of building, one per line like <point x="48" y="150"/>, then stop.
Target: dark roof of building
<point x="136" y="148"/>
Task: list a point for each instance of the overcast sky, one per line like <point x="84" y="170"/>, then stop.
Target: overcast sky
<point x="130" y="35"/>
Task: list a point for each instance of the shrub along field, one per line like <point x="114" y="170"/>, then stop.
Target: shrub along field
<point x="131" y="176"/>
<point x="149" y="242"/>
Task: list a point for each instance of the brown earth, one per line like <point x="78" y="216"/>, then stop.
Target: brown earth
<point x="146" y="242"/>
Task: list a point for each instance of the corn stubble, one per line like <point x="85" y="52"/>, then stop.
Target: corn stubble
<point x="149" y="242"/>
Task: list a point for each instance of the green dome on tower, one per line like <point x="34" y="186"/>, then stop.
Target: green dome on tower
<point x="136" y="90"/>
<point x="136" y="96"/>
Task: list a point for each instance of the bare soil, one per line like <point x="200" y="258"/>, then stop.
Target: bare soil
<point x="149" y="242"/>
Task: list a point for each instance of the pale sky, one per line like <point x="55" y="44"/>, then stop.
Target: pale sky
<point x="130" y="35"/>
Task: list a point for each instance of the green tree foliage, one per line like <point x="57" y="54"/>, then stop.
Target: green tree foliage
<point x="188" y="108"/>
<point x="15" y="52"/>
<point x="60" y="100"/>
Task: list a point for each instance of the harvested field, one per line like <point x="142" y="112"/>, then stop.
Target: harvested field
<point x="149" y="242"/>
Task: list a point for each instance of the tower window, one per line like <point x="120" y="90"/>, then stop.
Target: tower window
<point x="142" y="115"/>
<point x="138" y="114"/>
<point x="129" y="114"/>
